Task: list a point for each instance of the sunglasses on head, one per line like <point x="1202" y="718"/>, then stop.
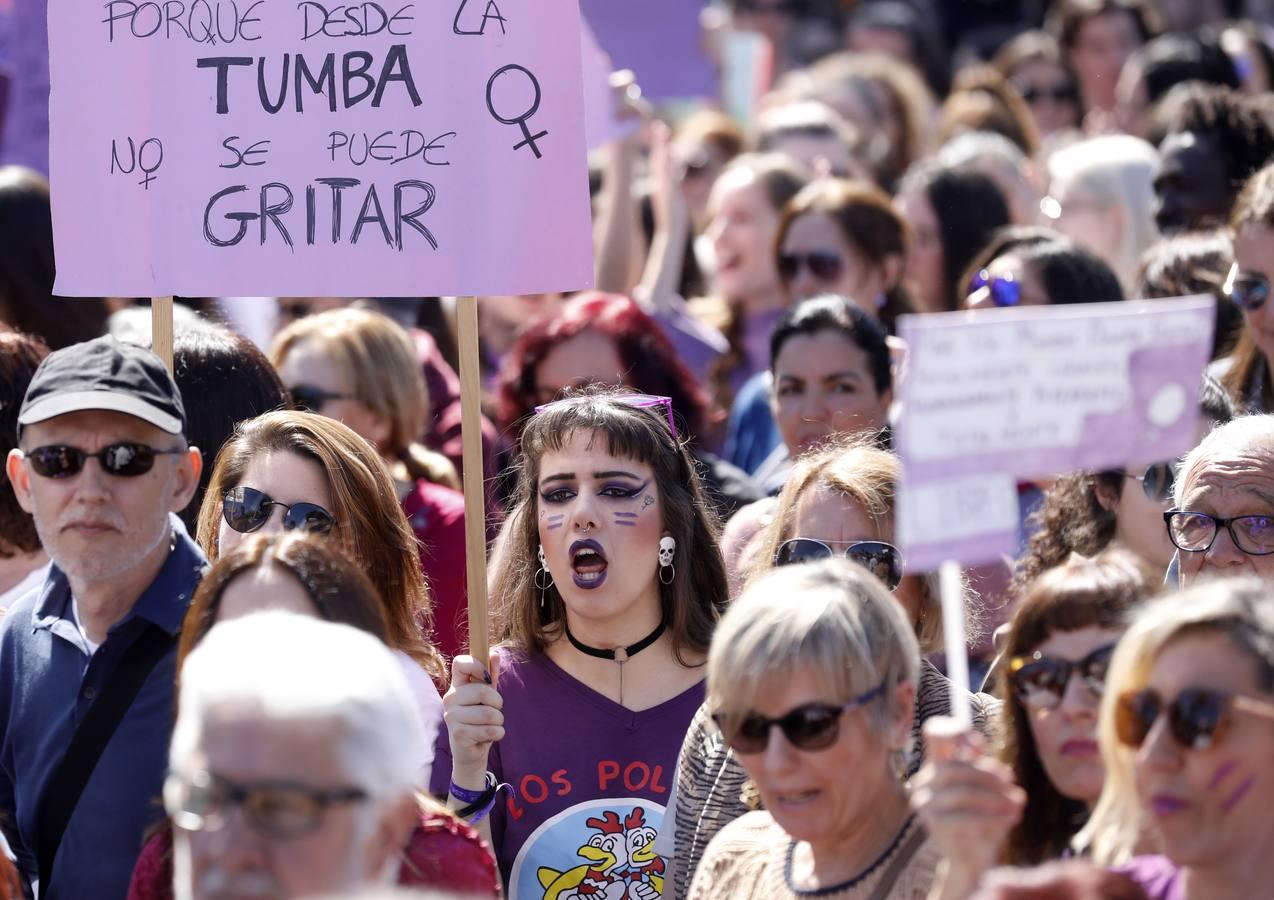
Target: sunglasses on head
<point x="1197" y="717"/>
<point x="881" y="559"/>
<point x="640" y="401"/>
<point x="125" y="459"/>
<point x="814" y="726"/>
<point x="1157" y="481"/>
<point x="1040" y="681"/>
<point x="246" y="509"/>
<point x="1249" y="290"/>
<point x="823" y="265"/>
<point x="309" y="398"/>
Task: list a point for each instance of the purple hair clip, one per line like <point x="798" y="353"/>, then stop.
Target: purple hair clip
<point x="641" y="401"/>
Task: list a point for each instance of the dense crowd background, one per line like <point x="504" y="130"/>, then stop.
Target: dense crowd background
<point x="715" y="676"/>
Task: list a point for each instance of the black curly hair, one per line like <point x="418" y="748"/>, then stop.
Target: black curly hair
<point x="1242" y="128"/>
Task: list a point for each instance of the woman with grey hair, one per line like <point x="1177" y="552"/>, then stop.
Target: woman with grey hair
<point x="816" y="699"/>
<point x="837" y="502"/>
<point x="1187" y="733"/>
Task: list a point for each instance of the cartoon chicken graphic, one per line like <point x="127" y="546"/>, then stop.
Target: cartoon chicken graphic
<point x="622" y="864"/>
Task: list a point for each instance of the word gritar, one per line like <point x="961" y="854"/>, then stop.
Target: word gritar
<point x="301" y="77"/>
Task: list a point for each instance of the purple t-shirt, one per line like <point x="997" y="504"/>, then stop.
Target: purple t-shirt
<point x="589" y="779"/>
<point x="1158" y="876"/>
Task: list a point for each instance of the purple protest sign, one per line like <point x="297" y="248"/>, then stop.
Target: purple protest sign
<point x="602" y="123"/>
<point x="660" y="40"/>
<point x="26" y="116"/>
<point x="386" y="148"/>
<point x="991" y="397"/>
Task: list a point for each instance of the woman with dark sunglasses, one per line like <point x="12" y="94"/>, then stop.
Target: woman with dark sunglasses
<point x="838" y="503"/>
<point x="843" y="237"/>
<point x="1187" y="735"/>
<point x="360" y="368"/>
<point x="1022" y="803"/>
<point x="1086" y="512"/>
<point x="1246" y="373"/>
<point x="1041" y="273"/>
<point x="812" y="681"/>
<point x="288" y="471"/>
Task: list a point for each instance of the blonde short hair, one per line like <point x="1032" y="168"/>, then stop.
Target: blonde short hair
<point x="861" y="472"/>
<point x="1237" y="608"/>
<point x="832" y="617"/>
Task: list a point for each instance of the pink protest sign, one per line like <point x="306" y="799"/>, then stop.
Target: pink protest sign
<point x="995" y="396"/>
<point x="256" y="147"/>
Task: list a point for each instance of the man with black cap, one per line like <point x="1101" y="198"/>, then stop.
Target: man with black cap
<point x="87" y="660"/>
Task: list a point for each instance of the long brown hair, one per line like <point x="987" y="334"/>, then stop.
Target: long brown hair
<point x="697" y="596"/>
<point x="372" y="528"/>
<point x="20" y="356"/>
<point x="335" y="585"/>
<point x="1255" y="206"/>
<point x="1082" y="593"/>
<point x="382" y="370"/>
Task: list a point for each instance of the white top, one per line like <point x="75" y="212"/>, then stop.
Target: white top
<point x="429" y="705"/>
<point x="75" y="616"/>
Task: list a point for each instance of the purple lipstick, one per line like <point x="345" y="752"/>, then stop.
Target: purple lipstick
<point x="588" y="564"/>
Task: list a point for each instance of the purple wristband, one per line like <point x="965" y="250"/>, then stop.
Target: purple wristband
<point x="466" y="796"/>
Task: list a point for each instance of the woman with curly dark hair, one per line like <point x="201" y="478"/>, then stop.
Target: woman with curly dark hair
<point x="1086" y="512"/>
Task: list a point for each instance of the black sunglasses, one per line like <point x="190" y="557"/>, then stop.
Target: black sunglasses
<point x="1040" y="681"/>
<point x="1197" y="717"/>
<point x="309" y="398"/>
<point x="246" y="509"/>
<point x="125" y="459"/>
<point x="812" y="727"/>
<point x="881" y="559"/>
<point x="1249" y="290"/>
<point x="1062" y="93"/>
<point x="823" y="265"/>
<point x="1157" y="481"/>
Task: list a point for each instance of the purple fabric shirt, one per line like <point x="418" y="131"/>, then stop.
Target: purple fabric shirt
<point x="590" y="782"/>
<point x="1158" y="876"/>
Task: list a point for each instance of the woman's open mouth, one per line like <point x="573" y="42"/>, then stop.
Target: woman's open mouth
<point x="588" y="564"/>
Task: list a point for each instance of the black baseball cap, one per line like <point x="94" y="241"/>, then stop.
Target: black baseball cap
<point x="104" y="374"/>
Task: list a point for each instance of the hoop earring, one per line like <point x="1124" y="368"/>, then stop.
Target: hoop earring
<point x="667" y="547"/>
<point x="540" y="580"/>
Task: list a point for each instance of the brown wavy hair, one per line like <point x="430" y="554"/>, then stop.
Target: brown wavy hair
<point x="1255" y="206"/>
<point x="1082" y="593"/>
<point x="698" y="594"/>
<point x="338" y="589"/>
<point x="372" y="528"/>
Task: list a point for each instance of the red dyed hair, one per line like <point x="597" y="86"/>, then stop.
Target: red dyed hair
<point x="647" y="355"/>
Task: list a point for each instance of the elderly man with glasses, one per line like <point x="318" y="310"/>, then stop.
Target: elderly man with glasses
<point x="86" y="659"/>
<point x="1223" y="520"/>
<point x="290" y="776"/>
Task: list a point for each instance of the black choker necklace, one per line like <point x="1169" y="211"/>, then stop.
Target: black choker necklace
<point x="620" y="655"/>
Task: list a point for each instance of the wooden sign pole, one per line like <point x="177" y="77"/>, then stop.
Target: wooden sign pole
<point x="475" y="516"/>
<point x="161" y="329"/>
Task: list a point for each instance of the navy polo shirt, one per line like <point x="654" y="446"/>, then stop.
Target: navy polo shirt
<point x="48" y="681"/>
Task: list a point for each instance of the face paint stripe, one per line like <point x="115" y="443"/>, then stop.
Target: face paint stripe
<point x="1239" y="793"/>
<point x="1222" y="770"/>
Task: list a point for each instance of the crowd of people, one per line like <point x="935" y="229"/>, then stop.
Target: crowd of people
<point x="234" y="633"/>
